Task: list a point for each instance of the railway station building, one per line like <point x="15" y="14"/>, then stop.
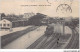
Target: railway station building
<point x="5" y="24"/>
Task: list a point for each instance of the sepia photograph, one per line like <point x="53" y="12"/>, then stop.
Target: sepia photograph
<point x="39" y="24"/>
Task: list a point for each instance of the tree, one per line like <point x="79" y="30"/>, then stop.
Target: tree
<point x="3" y="15"/>
<point x="36" y="20"/>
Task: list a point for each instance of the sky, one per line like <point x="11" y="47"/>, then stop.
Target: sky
<point x="15" y="7"/>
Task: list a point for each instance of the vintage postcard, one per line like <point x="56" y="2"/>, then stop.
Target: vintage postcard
<point x="39" y="24"/>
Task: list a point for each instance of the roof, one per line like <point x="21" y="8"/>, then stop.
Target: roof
<point x="5" y="20"/>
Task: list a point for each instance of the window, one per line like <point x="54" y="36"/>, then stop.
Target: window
<point x="0" y="24"/>
<point x="4" y="25"/>
<point x="7" y="24"/>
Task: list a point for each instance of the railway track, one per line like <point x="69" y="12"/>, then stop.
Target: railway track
<point x="44" y="42"/>
<point x="51" y="42"/>
<point x="74" y="43"/>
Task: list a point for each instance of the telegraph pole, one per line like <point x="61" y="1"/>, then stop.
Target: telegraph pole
<point x="63" y="26"/>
